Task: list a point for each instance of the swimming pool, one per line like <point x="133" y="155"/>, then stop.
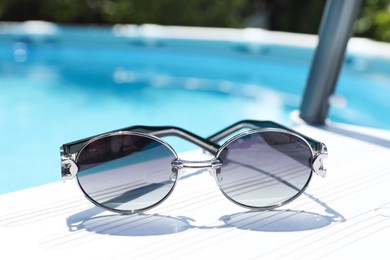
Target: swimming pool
<point x="59" y="84"/>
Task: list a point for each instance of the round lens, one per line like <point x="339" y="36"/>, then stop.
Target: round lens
<point x="126" y="172"/>
<point x="264" y="169"/>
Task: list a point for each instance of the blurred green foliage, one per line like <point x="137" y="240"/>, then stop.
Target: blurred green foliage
<point x="166" y="12"/>
<point x="283" y="15"/>
<point x="374" y="20"/>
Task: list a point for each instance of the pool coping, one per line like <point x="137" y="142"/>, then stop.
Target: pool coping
<point x="41" y="29"/>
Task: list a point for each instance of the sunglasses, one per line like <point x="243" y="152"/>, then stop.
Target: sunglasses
<point x="131" y="170"/>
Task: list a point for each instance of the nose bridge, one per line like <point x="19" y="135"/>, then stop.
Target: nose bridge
<point x="213" y="163"/>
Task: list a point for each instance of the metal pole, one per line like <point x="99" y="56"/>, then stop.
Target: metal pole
<point x="335" y="30"/>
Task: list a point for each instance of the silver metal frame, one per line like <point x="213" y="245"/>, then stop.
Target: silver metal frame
<point x="261" y="131"/>
<point x="70" y="169"/>
<point x="154" y="138"/>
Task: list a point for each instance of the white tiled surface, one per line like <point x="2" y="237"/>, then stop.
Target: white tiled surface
<point x="347" y="214"/>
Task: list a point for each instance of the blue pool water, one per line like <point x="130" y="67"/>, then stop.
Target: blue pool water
<point x="62" y="88"/>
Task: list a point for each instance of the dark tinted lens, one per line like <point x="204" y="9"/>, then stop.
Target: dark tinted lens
<point x="126" y="172"/>
<point x="265" y="169"/>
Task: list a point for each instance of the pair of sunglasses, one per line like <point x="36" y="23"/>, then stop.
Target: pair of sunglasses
<point x="131" y="170"/>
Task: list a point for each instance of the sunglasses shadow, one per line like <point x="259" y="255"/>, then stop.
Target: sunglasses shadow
<point x="277" y="221"/>
<point x="127" y="225"/>
<point x="155" y="224"/>
<point x="284" y="220"/>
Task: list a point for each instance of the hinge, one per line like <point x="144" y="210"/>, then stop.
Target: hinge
<point x="69" y="168"/>
<point x="318" y="161"/>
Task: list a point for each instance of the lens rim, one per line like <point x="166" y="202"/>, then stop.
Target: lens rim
<point x="127" y="133"/>
<point x="263" y="130"/>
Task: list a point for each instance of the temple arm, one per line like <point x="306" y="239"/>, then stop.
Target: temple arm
<point x="160" y="131"/>
<point x="69" y="150"/>
<point x="252" y="124"/>
<point x="320" y="149"/>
